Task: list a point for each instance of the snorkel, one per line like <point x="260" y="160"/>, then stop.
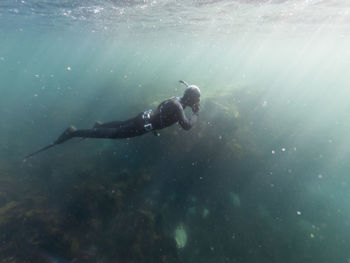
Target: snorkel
<point x="184" y="82"/>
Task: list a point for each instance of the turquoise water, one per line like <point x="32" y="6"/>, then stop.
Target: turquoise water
<point x="263" y="175"/>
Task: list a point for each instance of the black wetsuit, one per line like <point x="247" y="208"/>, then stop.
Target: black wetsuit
<point x="166" y="114"/>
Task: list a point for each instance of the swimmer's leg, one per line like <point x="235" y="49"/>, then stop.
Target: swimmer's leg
<point x="112" y="124"/>
<point x="100" y="124"/>
<point x="72" y="132"/>
<point x="106" y="133"/>
<point x="112" y="130"/>
<point x="66" y="135"/>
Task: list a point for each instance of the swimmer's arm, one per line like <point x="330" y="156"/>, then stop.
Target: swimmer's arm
<point x="185" y="123"/>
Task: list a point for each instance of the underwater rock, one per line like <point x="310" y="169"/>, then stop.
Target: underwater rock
<point x="180" y="236"/>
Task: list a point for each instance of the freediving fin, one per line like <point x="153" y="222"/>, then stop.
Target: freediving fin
<point x="41" y="150"/>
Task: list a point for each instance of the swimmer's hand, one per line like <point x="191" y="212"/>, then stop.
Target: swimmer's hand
<point x="195" y="108"/>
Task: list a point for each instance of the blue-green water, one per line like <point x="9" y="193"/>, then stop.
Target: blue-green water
<point x="262" y="177"/>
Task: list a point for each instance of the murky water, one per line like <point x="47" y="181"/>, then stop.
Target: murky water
<point x="263" y="175"/>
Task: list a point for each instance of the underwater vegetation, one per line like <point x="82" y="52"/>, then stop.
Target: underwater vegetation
<point x="92" y="220"/>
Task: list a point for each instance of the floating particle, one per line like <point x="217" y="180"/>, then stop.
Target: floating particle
<point x="283" y="149"/>
<point x="264" y="104"/>
<point x="220" y="137"/>
<point x="312" y="235"/>
<point x="273" y="152"/>
<point x="69" y="68"/>
<point x="298" y="213"/>
<point x="35" y="95"/>
<point x="320" y="176"/>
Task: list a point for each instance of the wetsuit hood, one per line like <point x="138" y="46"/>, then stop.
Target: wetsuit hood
<point x="191" y="95"/>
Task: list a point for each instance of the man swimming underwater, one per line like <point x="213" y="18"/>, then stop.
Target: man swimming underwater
<point x="166" y="114"/>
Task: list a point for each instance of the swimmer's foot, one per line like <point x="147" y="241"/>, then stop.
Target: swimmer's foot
<point x="66" y="135"/>
<point x="97" y="124"/>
